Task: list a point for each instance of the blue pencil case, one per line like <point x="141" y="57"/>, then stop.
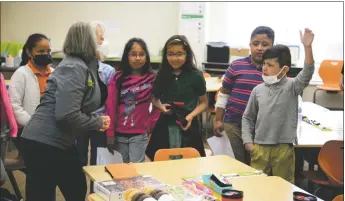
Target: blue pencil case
<point x="214" y="185"/>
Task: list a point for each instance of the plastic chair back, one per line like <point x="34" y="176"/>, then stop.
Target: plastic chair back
<point x="181" y="153"/>
<point x="330" y="71"/>
<point x="331" y="161"/>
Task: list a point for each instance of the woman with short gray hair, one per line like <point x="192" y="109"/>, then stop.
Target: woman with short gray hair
<point x="66" y="111"/>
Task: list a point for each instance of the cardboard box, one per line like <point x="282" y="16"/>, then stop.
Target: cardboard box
<point x="113" y="190"/>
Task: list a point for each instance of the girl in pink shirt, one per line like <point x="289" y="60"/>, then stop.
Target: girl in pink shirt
<point x="128" y="103"/>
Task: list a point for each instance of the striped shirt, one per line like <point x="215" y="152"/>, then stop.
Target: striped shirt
<point x="135" y="100"/>
<point x="240" y="79"/>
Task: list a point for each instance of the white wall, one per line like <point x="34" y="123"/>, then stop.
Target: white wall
<point x="233" y="22"/>
<point x="155" y="22"/>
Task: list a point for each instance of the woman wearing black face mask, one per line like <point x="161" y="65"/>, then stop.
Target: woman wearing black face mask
<point x="29" y="82"/>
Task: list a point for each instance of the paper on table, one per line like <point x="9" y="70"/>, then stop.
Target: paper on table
<point x="104" y="157"/>
<point x="221" y="145"/>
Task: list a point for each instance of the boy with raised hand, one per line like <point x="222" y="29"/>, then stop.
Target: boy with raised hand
<point x="269" y="123"/>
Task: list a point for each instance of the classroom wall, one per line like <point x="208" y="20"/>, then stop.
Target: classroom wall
<point x="155" y="26"/>
<point x="159" y="22"/>
<point x="233" y="22"/>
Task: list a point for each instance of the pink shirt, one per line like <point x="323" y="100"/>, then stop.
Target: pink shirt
<point x="132" y="115"/>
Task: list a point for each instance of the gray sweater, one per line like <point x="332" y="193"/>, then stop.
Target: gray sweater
<point x="271" y="113"/>
<point x="66" y="107"/>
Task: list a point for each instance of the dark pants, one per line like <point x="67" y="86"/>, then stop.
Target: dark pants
<point x="160" y="137"/>
<point x="16" y="141"/>
<point x="96" y="139"/>
<point x="48" y="167"/>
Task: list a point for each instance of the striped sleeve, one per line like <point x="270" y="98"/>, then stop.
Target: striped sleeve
<point x="229" y="78"/>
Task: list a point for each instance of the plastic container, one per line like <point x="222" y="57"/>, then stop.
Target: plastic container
<point x="299" y="196"/>
<point x="232" y="195"/>
<point x="9" y="61"/>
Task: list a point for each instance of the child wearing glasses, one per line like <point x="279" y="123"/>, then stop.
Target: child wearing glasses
<point x="180" y="81"/>
<point x="128" y="103"/>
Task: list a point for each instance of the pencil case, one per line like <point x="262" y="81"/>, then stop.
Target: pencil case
<point x="232" y="195"/>
<point x="214" y="183"/>
<point x="299" y="196"/>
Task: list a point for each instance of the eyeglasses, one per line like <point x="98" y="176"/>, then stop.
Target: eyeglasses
<point x="135" y="55"/>
<point x="179" y="55"/>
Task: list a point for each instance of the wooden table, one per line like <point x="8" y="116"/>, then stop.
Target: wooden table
<point x="170" y="172"/>
<point x="309" y="136"/>
<point x="257" y="188"/>
<point x="213" y="84"/>
<point x="266" y="188"/>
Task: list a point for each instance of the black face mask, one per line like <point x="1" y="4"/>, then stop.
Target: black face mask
<point x="42" y="59"/>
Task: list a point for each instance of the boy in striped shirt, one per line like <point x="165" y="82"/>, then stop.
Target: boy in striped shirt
<point x="239" y="80"/>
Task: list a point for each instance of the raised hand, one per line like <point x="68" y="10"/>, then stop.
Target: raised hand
<point x="307" y="37"/>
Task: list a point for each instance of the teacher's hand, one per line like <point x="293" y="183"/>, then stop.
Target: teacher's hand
<point x="105" y="123"/>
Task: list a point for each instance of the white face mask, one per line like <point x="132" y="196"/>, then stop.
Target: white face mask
<point x="104" y="48"/>
<point x="273" y="78"/>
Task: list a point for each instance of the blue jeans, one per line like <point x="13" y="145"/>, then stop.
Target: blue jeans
<point x="131" y="146"/>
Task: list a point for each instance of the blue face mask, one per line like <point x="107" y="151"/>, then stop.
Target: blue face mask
<point x="42" y="59"/>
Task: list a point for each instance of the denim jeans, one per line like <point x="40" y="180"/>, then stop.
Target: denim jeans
<point x="131" y="146"/>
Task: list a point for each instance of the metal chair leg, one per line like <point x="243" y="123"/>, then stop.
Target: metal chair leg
<point x="314" y="96"/>
<point x="14" y="184"/>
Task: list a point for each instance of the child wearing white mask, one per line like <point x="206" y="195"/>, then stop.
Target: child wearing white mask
<point x="269" y="123"/>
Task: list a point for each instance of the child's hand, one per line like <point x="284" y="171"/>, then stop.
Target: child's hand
<point x="165" y="108"/>
<point x="189" y="123"/>
<point x="218" y="126"/>
<point x="105" y="123"/>
<point x="249" y="146"/>
<point x="307" y="37"/>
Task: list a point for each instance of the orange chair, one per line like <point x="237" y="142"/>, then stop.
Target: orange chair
<point x="329" y="71"/>
<point x="331" y="161"/>
<point x="339" y="198"/>
<point x="89" y="198"/>
<point x="166" y="154"/>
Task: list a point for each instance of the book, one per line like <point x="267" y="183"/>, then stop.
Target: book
<point x="121" y="170"/>
<point x="113" y="190"/>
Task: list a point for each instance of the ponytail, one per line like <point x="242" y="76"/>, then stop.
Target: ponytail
<point x="25" y="57"/>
